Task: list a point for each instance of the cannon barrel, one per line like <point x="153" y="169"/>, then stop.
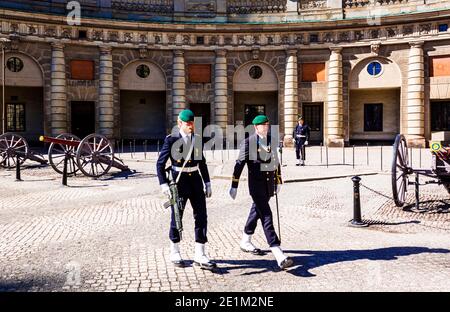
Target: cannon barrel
<point x="47" y="139"/>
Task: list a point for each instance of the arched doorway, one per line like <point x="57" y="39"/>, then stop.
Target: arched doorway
<point x="375" y="96"/>
<point x="255" y="86"/>
<point x="142" y="101"/>
<point x="24" y="96"/>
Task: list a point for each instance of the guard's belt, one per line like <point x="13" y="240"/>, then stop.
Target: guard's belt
<point x="186" y="169"/>
<point x="301" y="136"/>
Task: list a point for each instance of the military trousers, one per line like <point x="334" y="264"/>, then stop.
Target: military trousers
<point x="190" y="187"/>
<point x="260" y="210"/>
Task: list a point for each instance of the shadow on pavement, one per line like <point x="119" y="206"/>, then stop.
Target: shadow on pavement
<point x="313" y="259"/>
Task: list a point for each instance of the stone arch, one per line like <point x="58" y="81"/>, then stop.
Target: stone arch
<point x="391" y="76"/>
<point x="122" y="58"/>
<point x="269" y="80"/>
<point x="378" y="96"/>
<point x="129" y="80"/>
<point x="32" y="74"/>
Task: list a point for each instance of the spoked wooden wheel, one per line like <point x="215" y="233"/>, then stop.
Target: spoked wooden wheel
<point x="95" y="155"/>
<point x="400" y="170"/>
<point x="11" y="146"/>
<point x="57" y="153"/>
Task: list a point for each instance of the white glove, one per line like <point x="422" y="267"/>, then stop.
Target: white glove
<point x="233" y="192"/>
<point x="306" y="142"/>
<point x="208" y="190"/>
<point x="278" y="189"/>
<point x="165" y="189"/>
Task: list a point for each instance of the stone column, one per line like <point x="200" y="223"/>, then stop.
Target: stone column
<point x="178" y="85"/>
<point x="335" y="109"/>
<point x="58" y="100"/>
<point x="290" y="96"/>
<point x="106" y="93"/>
<point x="416" y="94"/>
<point x="220" y="89"/>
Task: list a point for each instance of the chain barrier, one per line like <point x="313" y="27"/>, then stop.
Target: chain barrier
<point x="375" y="191"/>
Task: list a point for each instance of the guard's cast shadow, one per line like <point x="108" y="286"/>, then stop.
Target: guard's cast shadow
<point x="311" y="259"/>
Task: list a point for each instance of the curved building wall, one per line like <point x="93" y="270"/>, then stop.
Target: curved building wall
<point x="313" y="47"/>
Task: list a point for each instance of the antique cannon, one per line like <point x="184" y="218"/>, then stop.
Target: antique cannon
<point x="93" y="156"/>
<point x="13" y="148"/>
<point x="401" y="170"/>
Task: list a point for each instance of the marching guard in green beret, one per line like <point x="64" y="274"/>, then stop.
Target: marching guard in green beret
<point x="190" y="180"/>
<point x="264" y="180"/>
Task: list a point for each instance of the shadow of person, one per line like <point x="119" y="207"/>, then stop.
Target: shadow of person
<point x="311" y="259"/>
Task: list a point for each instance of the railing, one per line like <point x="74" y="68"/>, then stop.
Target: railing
<point x="348" y="4"/>
<point x="312" y="4"/>
<point x="156" y="6"/>
<point x="256" y="6"/>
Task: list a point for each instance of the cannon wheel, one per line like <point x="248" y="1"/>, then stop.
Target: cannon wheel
<point x="95" y="155"/>
<point x="57" y="152"/>
<point x="10" y="143"/>
<point x="400" y="170"/>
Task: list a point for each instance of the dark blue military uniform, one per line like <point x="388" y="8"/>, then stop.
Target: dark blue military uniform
<point x="264" y="173"/>
<point x="301" y="135"/>
<point x="190" y="185"/>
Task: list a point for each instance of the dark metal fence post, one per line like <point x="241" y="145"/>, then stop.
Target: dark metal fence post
<point x="326" y="154"/>
<point x="343" y="154"/>
<point x="356" y="221"/>
<point x="367" y="154"/>
<point x="145" y="149"/>
<point x="420" y="157"/>
<point x="353" y="156"/>
<point x="381" y="155"/>
<point x="64" y="178"/>
<point x="18" y="178"/>
<point x="321" y="161"/>
<point x="122" y="146"/>
<point x="410" y="157"/>
<point x="158" y="147"/>
<point x="416" y="184"/>
<point x="131" y="150"/>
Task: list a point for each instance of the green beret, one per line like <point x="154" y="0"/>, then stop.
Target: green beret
<point x="186" y="115"/>
<point x="260" y="119"/>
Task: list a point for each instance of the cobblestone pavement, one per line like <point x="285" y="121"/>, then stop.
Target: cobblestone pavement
<point x="111" y="234"/>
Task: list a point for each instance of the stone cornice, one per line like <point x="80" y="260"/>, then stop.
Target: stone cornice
<point x="28" y="17"/>
<point x="259" y="38"/>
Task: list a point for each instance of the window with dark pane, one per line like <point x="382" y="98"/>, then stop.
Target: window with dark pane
<point x="143" y="71"/>
<point x="373" y="117"/>
<point x="14" y="64"/>
<point x="16" y="117"/>
<point x="312" y="116"/>
<point x="255" y="72"/>
<point x="440" y="116"/>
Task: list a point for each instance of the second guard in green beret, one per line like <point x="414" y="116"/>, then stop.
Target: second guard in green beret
<point x="264" y="180"/>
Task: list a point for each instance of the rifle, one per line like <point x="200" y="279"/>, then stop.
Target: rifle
<point x="177" y="204"/>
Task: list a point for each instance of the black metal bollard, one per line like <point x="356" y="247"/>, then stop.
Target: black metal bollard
<point x="356" y="221"/>
<point x="158" y="147"/>
<point x="122" y="146"/>
<point x="64" y="178"/>
<point x="326" y="154"/>
<point x="131" y="149"/>
<point x="18" y="179"/>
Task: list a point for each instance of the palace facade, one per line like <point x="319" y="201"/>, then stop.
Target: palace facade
<point x="357" y="70"/>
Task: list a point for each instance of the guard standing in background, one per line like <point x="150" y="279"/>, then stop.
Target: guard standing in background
<point x="301" y="137"/>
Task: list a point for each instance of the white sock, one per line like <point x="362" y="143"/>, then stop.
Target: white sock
<point x="278" y="253"/>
